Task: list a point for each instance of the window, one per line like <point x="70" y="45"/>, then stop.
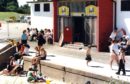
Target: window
<point x="37" y="7"/>
<point x="125" y="5"/>
<point x="46" y="7"/>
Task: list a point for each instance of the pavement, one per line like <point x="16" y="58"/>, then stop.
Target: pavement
<point x="95" y="68"/>
<point x="101" y="57"/>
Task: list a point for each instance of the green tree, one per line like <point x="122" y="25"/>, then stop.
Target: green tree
<point x="2" y="7"/>
<point x="25" y="9"/>
<point x="12" y="6"/>
<point x="8" y="5"/>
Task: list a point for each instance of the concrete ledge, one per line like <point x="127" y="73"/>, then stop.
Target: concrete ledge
<point x="73" y="71"/>
<point x="5" y="46"/>
<point x="4" y="55"/>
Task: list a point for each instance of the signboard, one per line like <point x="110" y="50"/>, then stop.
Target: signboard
<point x="64" y="11"/>
<point x="91" y="10"/>
<point x="77" y="13"/>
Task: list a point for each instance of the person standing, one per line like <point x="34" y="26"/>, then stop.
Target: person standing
<point x="113" y="35"/>
<point x="88" y="54"/>
<point x="121" y="62"/>
<point x="24" y="37"/>
<point x="128" y="45"/>
<point x="114" y="52"/>
<point x="41" y="39"/>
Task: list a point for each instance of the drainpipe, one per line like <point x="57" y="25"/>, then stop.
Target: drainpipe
<point x="115" y="14"/>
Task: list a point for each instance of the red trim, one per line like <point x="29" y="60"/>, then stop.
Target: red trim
<point x="55" y="20"/>
<point x="105" y="27"/>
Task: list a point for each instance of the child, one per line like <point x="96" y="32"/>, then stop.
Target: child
<point x="40" y="77"/>
<point x="31" y="76"/>
<point x="43" y="54"/>
<point x="121" y="61"/>
<point x="34" y="64"/>
<point x="88" y="54"/>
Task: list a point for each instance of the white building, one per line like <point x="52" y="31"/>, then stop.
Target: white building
<point x="71" y="18"/>
<point x="41" y="15"/>
<point x="123" y="15"/>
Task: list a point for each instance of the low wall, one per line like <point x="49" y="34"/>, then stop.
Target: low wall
<point x="4" y="55"/>
<point x="6" y="47"/>
<point x="69" y="75"/>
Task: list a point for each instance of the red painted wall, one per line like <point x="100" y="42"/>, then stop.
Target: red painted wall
<point x="55" y="21"/>
<point x="105" y="24"/>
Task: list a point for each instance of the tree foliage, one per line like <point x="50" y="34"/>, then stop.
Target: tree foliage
<point x="2" y="5"/>
<point x="25" y="9"/>
<point x="12" y="6"/>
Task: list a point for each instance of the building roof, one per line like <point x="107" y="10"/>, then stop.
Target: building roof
<point x="35" y="1"/>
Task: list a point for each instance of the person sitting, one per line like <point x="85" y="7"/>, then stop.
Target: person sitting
<point x="33" y="34"/>
<point x="23" y="51"/>
<point x="40" y="77"/>
<point x="16" y="65"/>
<point x="9" y="67"/>
<point x="18" y="46"/>
<point x="26" y="50"/>
<point x="31" y="76"/>
<point x="49" y="37"/>
<point x="40" y="55"/>
<point x="34" y="62"/>
<point x="19" y="69"/>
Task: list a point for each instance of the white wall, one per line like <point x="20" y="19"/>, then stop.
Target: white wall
<point x="42" y="19"/>
<point x="123" y="18"/>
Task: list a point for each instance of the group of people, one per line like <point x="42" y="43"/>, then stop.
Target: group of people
<point x="35" y="74"/>
<point x="34" y="33"/>
<point x="16" y="62"/>
<point x="41" y="53"/>
<point x="119" y="47"/>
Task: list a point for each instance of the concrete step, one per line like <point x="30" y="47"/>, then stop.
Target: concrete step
<point x="74" y="46"/>
<point x="74" y="71"/>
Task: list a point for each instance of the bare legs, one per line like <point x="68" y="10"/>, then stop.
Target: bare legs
<point x="112" y="58"/>
<point x="87" y="62"/>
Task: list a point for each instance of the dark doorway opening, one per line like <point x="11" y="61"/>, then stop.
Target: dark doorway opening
<point x="78" y="29"/>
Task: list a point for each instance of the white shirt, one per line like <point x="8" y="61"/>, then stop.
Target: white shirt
<point x="115" y="48"/>
<point x="26" y="51"/>
<point x="113" y="35"/>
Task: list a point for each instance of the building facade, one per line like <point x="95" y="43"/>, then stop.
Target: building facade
<point x="123" y="15"/>
<point x="86" y="21"/>
<point x="42" y="14"/>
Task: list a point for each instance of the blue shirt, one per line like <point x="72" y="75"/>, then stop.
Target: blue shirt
<point x="24" y="37"/>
